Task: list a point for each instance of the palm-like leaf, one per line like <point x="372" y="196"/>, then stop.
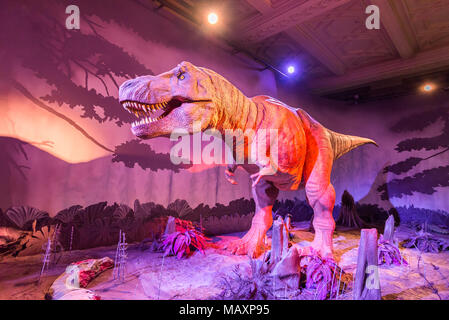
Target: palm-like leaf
<point x="67" y="215"/>
<point x="24" y="215"/>
<point x="181" y="207"/>
<point x="122" y="211"/>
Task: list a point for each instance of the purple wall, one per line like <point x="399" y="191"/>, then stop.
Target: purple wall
<point x="68" y="125"/>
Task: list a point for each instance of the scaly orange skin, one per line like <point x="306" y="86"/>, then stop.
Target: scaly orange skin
<point x="305" y="150"/>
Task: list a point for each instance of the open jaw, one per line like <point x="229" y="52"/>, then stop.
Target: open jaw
<point x="148" y="113"/>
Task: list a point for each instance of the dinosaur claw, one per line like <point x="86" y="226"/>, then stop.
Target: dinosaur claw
<point x="229" y="175"/>
<point x="257" y="177"/>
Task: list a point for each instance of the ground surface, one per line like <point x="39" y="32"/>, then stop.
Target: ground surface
<point x="150" y="276"/>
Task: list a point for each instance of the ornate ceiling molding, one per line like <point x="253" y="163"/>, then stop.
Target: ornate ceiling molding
<point x="426" y="61"/>
<point x="294" y="12"/>
<point x="317" y="49"/>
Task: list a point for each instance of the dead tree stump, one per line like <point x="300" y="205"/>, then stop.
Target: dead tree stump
<point x="279" y="241"/>
<point x="348" y="216"/>
<point x="171" y="226"/>
<point x="389" y="229"/>
<point x="367" y="282"/>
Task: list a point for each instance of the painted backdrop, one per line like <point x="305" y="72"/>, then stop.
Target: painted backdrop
<point x="65" y="140"/>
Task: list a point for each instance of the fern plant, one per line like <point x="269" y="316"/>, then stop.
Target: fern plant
<point x="186" y="239"/>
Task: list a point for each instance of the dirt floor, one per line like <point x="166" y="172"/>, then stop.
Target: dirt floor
<point x="151" y="276"/>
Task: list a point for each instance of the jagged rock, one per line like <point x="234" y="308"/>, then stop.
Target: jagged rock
<point x="72" y="283"/>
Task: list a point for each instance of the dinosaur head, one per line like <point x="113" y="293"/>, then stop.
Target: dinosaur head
<point x="171" y="100"/>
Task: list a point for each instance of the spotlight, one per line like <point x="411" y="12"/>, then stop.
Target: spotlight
<point x="428" y="87"/>
<point x="291" y="69"/>
<point x="212" y="18"/>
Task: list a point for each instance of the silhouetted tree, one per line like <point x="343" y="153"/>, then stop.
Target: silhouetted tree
<point x="427" y="180"/>
<point x="36" y="38"/>
<point x="348" y="216"/>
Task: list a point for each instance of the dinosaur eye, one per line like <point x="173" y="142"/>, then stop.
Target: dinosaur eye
<point x="180" y="75"/>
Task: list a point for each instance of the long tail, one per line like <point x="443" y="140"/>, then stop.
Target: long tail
<point x="342" y="143"/>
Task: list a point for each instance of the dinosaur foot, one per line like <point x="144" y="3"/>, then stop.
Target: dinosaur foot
<point x="322" y="251"/>
<point x="252" y="244"/>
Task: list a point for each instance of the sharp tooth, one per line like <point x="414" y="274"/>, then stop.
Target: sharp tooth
<point x="136" y="114"/>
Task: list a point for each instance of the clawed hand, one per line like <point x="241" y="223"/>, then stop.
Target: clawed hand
<point x="265" y="171"/>
<point x="229" y="176"/>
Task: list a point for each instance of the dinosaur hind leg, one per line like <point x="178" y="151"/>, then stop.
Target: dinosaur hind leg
<point x="321" y="196"/>
<point x="252" y="243"/>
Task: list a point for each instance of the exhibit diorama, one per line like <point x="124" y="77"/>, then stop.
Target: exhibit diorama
<point x="224" y="150"/>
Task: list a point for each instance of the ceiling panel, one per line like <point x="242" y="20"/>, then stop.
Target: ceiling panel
<point x="430" y="22"/>
<point x="344" y="33"/>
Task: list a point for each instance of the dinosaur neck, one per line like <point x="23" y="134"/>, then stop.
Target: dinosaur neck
<point x="235" y="111"/>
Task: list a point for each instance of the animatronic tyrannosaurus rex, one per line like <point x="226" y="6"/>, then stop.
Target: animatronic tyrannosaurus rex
<point x="306" y="150"/>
